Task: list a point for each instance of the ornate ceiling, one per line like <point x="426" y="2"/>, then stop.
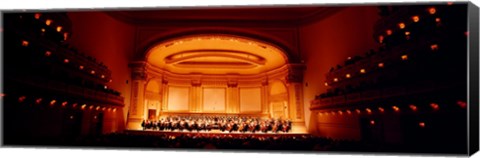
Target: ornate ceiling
<point x="216" y="54"/>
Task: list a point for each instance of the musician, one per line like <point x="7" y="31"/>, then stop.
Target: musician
<point x="143" y="125"/>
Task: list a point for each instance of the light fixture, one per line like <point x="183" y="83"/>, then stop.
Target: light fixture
<point x="103" y="76"/>
<point x="59" y="28"/>
<point x="405" y="57"/>
<point x="432" y="10"/>
<point x="368" y="110"/>
<point x="415" y="18"/>
<point x="37" y="15"/>
<point x="64" y="103"/>
<point x="114" y="109"/>
<point x="81" y="67"/>
<point x="65" y="36"/>
<point x="407" y="33"/>
<point x="381" y="109"/>
<point x="66" y="61"/>
<point x="349" y="112"/>
<point x="347" y="75"/>
<point x="43" y="30"/>
<point x="340" y="112"/>
<point x="326" y="84"/>
<point x="92" y="72"/>
<point x="362" y="71"/>
<point x="413" y="107"/>
<point x="48" y="22"/>
<point x="24" y="43"/>
<point x="38" y="100"/>
<point x="91" y="107"/>
<point x="53" y="102"/>
<point x="97" y="108"/>
<point x="372" y="122"/>
<point x="434" y="106"/>
<point x="438" y="20"/>
<point x="396" y="108"/>
<point x="22" y="98"/>
<point x="421" y="124"/>
<point x="389" y="32"/>
<point x="74" y="105"/>
<point x="335" y="80"/>
<point x="380" y="38"/>
<point x="380" y="64"/>
<point x="434" y="47"/>
<point x="83" y="106"/>
<point x="358" y="111"/>
<point x="401" y="25"/>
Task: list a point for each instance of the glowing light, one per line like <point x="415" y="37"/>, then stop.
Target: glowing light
<point x="358" y="111"/>
<point x="95" y="117"/>
<point x="74" y="105"/>
<point x="349" y="112"/>
<point x="103" y="109"/>
<point x="65" y="36"/>
<point x="97" y="108"/>
<point x="466" y="33"/>
<point x="372" y="122"/>
<point x="401" y="25"/>
<point x="326" y="84"/>
<point x="349" y="58"/>
<point x="92" y="72"/>
<point x="438" y="20"/>
<point x="43" y="30"/>
<point x="83" y="106"/>
<point x="432" y="10"/>
<point x="340" y="112"/>
<point x="335" y="80"/>
<point x="22" y="98"/>
<point x="407" y="33"/>
<point x="381" y="109"/>
<point x="114" y="109"/>
<point x="389" y="32"/>
<point x="91" y="107"/>
<point x="71" y="117"/>
<point x="24" y="43"/>
<point x="37" y="16"/>
<point x="48" y="53"/>
<point x="421" y="124"/>
<point x="404" y="57"/>
<point x="38" y="100"/>
<point x="105" y="87"/>
<point x="347" y="75"/>
<point x="2" y="94"/>
<point x="380" y="38"/>
<point x="53" y="102"/>
<point x="380" y="64"/>
<point x="368" y="110"/>
<point x="103" y="76"/>
<point x="413" y="107"/>
<point x="362" y="71"/>
<point x="110" y="80"/>
<point x="66" y="61"/>
<point x="81" y="67"/>
<point x="333" y="112"/>
<point x="64" y="103"/>
<point x="415" y="18"/>
<point x="462" y="104"/>
<point x="396" y="108"/>
<point x="449" y="3"/>
<point x="434" y="106"/>
<point x="59" y="28"/>
<point x="434" y="47"/>
<point x="48" y="22"/>
<point x="109" y="109"/>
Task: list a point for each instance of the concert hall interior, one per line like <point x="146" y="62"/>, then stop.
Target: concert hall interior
<point x="381" y="78"/>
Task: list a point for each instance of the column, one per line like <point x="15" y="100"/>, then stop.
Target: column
<point x="136" y="112"/>
<point x="295" y="90"/>
<point x="265" y="97"/>
<point x="233" y="100"/>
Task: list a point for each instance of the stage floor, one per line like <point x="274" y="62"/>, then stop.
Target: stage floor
<point x="214" y="132"/>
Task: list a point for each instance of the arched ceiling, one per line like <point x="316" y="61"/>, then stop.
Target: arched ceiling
<point x="216" y="54"/>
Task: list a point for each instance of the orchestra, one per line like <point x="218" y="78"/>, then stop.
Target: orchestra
<point x="221" y="123"/>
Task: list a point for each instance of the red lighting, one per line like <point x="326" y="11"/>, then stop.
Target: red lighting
<point x="110" y="109"/>
<point x="389" y="32"/>
<point x="22" y="98"/>
<point x="43" y="30"/>
<point x="449" y="3"/>
<point x="415" y="18"/>
<point x="335" y="80"/>
<point x="380" y="64"/>
<point x="362" y="71"/>
<point x="48" y="53"/>
<point x="401" y="25"/>
<point x="462" y="104"/>
<point x="434" y="47"/>
<point x="372" y="122"/>
<point x="103" y="76"/>
<point x="92" y="72"/>
<point x="48" y="22"/>
<point x="110" y="80"/>
<point x="381" y="109"/>
<point x="65" y="36"/>
<point x="2" y="94"/>
<point x="348" y="76"/>
<point x="421" y="124"/>
<point x="380" y="38"/>
<point x="24" y="43"/>
<point x="64" y="103"/>
<point x="358" y="111"/>
<point x="432" y="10"/>
<point x="404" y="57"/>
<point x="368" y="111"/>
<point x="37" y="16"/>
<point x="83" y="106"/>
<point x="396" y="108"/>
<point x="437" y="20"/>
<point x="413" y="107"/>
<point x="326" y="84"/>
<point x="53" y="102"/>
<point x="74" y="105"/>
<point x="59" y="28"/>
<point x="98" y="107"/>
<point x="81" y="67"/>
<point x="114" y="109"/>
<point x="38" y="101"/>
<point x="66" y="61"/>
<point x="91" y="107"/>
<point x="340" y="112"/>
<point x="407" y="33"/>
<point x="104" y="108"/>
<point x="349" y="112"/>
<point x="434" y="106"/>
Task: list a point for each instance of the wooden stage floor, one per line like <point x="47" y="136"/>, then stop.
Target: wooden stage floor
<point x="213" y="133"/>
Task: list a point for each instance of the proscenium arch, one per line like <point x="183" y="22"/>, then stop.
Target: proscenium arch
<point x="271" y="40"/>
<point x="223" y="53"/>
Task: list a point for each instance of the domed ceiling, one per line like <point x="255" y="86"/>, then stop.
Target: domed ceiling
<point x="216" y="54"/>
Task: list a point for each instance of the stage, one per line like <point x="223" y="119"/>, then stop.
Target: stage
<point x="214" y="133"/>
